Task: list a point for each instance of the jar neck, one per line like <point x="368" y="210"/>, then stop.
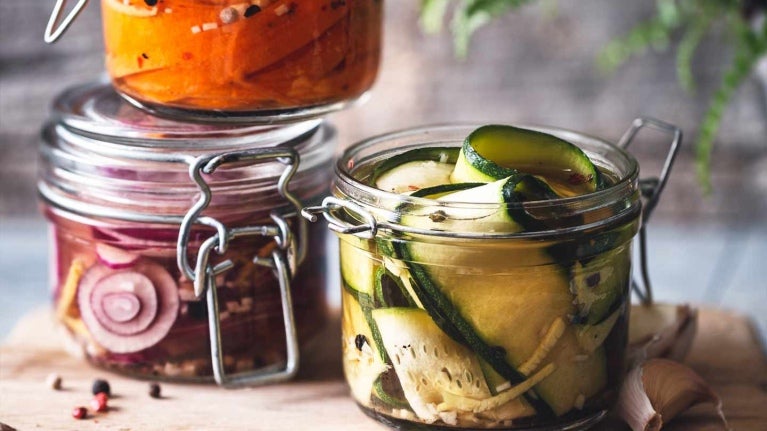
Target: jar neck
<point x="618" y="203"/>
<point x="94" y="177"/>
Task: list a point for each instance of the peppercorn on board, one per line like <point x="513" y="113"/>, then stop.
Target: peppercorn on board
<point x="726" y="353"/>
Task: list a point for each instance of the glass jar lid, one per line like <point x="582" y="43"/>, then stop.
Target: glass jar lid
<point x="96" y="110"/>
<point x="100" y="155"/>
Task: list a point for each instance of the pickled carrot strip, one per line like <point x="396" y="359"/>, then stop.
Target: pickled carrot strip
<point x="69" y="290"/>
<point x="267" y="38"/>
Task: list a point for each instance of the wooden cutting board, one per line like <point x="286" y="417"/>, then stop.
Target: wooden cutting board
<point x="726" y="353"/>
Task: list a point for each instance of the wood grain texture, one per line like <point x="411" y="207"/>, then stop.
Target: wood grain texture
<point x="725" y="353"/>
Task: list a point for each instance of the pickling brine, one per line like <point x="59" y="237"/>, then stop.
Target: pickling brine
<point x="119" y="293"/>
<point x="494" y="292"/>
<point x="262" y="58"/>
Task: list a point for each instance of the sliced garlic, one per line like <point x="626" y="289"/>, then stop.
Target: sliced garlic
<point x="658" y="390"/>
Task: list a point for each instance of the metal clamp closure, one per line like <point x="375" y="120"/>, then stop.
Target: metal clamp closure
<point x="651" y="189"/>
<point x="368" y="228"/>
<point x="289" y="253"/>
<point x="52" y="35"/>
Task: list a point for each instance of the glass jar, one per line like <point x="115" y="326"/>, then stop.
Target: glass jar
<point x="177" y="252"/>
<point x="232" y="60"/>
<point x="465" y="327"/>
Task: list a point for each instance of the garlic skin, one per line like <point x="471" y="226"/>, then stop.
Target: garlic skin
<point x="658" y="390"/>
<point x="661" y="331"/>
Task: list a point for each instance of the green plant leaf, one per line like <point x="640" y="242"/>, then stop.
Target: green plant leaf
<point x="433" y="14"/>
<point x="652" y="33"/>
<point x="751" y="47"/>
<point x="686" y="52"/>
<point x="471" y="15"/>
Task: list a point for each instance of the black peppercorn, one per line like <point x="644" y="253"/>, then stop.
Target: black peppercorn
<point x="251" y="10"/>
<point x="154" y="390"/>
<point x="360" y="341"/>
<point x="593" y="279"/>
<point x="100" y="385"/>
<point x="150" y="2"/>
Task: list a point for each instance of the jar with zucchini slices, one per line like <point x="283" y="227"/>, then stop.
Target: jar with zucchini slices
<point x="239" y="60"/>
<point x="179" y="262"/>
<point x="486" y="274"/>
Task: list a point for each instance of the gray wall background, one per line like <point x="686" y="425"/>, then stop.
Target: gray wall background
<point x="529" y="67"/>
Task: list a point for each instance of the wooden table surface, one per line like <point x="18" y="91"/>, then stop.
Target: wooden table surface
<point x="726" y="353"/>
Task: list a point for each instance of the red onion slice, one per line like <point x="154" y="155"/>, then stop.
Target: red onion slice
<point x="107" y="300"/>
<point x="121" y="307"/>
<point x="115" y="258"/>
<point x="126" y="283"/>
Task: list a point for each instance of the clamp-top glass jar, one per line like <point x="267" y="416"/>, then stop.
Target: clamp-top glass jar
<point x="177" y="250"/>
<point x="455" y="317"/>
<point x="234" y="60"/>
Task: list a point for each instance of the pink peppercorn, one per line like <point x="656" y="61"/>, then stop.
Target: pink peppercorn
<point x="99" y="402"/>
<point x="79" y="412"/>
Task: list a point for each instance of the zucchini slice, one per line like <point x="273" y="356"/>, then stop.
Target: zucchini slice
<point x="358" y="264"/>
<point x="415" y="169"/>
<point x="493" y="152"/>
<point x="501" y="317"/>
<point x="470" y="218"/>
<point x="362" y="361"/>
<point x="390" y="291"/>
<point x="600" y="284"/>
<point x="428" y="363"/>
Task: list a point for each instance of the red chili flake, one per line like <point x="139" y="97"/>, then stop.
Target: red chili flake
<point x="252" y="10"/>
<point x="335" y="4"/>
<point x="576" y="179"/>
<point x="186" y="56"/>
<point x="292" y="8"/>
<point x="79" y="412"/>
<point x="140" y="61"/>
<point x="413" y="188"/>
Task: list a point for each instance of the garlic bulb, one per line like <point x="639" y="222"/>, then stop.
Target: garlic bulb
<point x="661" y="331"/>
<point x="658" y="390"/>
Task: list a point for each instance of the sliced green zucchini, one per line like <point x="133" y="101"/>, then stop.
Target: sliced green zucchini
<point x="493" y="152"/>
<point x="358" y="263"/>
<point x="591" y="337"/>
<point x="415" y="169"/>
<point x="501" y="316"/>
<point x="437" y="192"/>
<point x="459" y="325"/>
<point x="390" y="291"/>
<point x="600" y="284"/>
<point x="469" y="218"/>
<point x="362" y="360"/>
<point x="388" y="390"/>
<point x="428" y="363"/>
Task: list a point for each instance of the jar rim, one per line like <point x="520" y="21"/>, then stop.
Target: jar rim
<point x="96" y="110"/>
<point x="624" y="188"/>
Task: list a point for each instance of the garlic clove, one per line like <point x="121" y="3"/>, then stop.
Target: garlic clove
<point x="658" y="390"/>
<point x="661" y="330"/>
<point x="634" y="406"/>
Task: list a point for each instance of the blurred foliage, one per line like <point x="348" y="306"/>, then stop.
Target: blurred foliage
<point x="680" y="23"/>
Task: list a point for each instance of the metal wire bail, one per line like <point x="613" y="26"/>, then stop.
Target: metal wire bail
<point x="52" y="35"/>
<point x="651" y="189"/>
<point x="285" y="258"/>
<point x="368" y="229"/>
